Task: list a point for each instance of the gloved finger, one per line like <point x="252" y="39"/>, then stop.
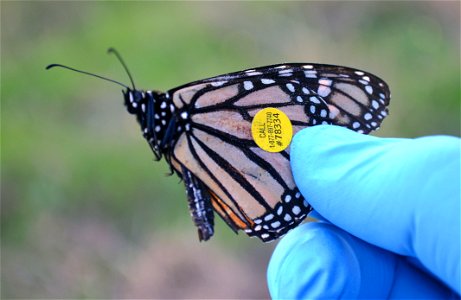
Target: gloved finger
<point x="318" y="260"/>
<point x="400" y="194"/>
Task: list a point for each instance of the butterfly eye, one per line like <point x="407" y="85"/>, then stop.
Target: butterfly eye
<point x="137" y="97"/>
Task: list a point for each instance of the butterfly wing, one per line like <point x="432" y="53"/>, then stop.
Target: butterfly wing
<point x="358" y="100"/>
<point x="252" y="189"/>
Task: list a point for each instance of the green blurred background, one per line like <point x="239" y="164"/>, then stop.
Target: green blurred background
<point x="86" y="213"/>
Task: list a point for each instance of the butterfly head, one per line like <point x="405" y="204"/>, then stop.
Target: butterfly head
<point x="154" y="116"/>
<point x="134" y="101"/>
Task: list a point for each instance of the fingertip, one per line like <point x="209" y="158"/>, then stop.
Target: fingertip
<point x="320" y="155"/>
<point x="304" y="153"/>
<point x="306" y="139"/>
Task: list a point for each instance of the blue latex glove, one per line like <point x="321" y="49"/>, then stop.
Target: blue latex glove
<point x="390" y="218"/>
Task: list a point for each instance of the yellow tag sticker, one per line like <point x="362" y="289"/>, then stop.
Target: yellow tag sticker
<point x="271" y="129"/>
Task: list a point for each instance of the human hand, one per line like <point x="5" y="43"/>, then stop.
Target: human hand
<point x="390" y="218"/>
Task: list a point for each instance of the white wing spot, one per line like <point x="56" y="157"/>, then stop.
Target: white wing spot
<point x="323" y="113"/>
<point x="285" y="71"/>
<point x="163" y="105"/>
<point x="276" y="224"/>
<point x="143" y="107"/>
<point x="184" y="115"/>
<point x="247" y="85"/>
<point x="287" y="218"/>
<point x="296" y="210"/>
<point x="279" y="210"/>
<point x="355" y="125"/>
<point x="264" y="235"/>
<point x="308" y="67"/>
<point x="310" y="74"/>
<point x="312" y="109"/>
<point x="369" y="89"/>
<point x="323" y="91"/>
<point x="306" y="91"/>
<point x="157" y="128"/>
<point x="290" y="87"/>
<point x="375" y="104"/>
<point x="218" y="83"/>
<point x="384" y="113"/>
<point x="298" y="194"/>
<point x="171" y="107"/>
<point x="258" y="228"/>
<point x="314" y="99"/>
<point x="381" y="95"/>
<point x="360" y="73"/>
<point x="299" y="99"/>
<point x="267" y="81"/>
<point x="253" y="73"/>
<point x="366" y="78"/>
<point x="268" y="217"/>
<point x="287" y="198"/>
<point x="368" y="116"/>
<point x="281" y="67"/>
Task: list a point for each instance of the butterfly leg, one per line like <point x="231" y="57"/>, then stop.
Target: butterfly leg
<point x="168" y="139"/>
<point x="199" y="205"/>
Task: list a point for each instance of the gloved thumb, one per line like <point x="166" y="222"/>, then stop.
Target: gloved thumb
<point x="402" y="195"/>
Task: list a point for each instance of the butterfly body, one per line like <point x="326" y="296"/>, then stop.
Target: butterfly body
<point x="203" y="129"/>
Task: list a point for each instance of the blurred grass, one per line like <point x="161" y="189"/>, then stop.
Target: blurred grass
<point x="74" y="162"/>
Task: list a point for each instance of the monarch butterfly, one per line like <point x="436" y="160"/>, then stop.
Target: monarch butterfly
<point x="203" y="130"/>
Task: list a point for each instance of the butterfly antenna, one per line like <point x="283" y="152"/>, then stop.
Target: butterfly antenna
<point x="119" y="57"/>
<point x="87" y="73"/>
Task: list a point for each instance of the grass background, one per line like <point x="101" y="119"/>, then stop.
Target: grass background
<point x="86" y="213"/>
